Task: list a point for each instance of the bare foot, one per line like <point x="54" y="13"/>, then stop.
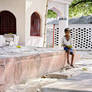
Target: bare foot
<point x="72" y="66"/>
<point x="68" y="62"/>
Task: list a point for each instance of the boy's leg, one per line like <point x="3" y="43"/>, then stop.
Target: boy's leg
<point x="68" y="57"/>
<point x="68" y="52"/>
<point x="72" y="59"/>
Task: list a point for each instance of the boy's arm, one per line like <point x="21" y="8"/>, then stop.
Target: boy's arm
<point x="71" y="42"/>
<point x="62" y="43"/>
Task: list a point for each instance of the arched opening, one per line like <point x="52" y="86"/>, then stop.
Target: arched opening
<point x="52" y="37"/>
<point x="35" y="24"/>
<point x="54" y="13"/>
<point x="7" y="23"/>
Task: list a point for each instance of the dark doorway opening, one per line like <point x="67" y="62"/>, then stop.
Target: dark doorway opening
<point x="7" y="23"/>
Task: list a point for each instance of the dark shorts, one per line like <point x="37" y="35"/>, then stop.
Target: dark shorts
<point x="67" y="49"/>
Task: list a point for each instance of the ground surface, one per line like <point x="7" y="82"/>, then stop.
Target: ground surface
<point x="24" y="51"/>
<point x="78" y="79"/>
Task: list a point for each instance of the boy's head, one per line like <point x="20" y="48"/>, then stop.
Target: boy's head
<point x="67" y="31"/>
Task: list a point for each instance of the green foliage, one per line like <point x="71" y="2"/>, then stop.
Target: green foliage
<point x="51" y="14"/>
<point x="80" y="8"/>
<point x="77" y="8"/>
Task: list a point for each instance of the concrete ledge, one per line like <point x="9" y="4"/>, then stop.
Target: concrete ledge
<point x="14" y="69"/>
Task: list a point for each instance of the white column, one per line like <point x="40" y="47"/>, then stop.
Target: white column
<point x="66" y="13"/>
<point x="63" y="22"/>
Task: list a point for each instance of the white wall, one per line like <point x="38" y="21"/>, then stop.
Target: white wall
<point x="31" y="7"/>
<point x="63" y="9"/>
<point x="17" y="7"/>
<point x="64" y="22"/>
<point x="23" y="9"/>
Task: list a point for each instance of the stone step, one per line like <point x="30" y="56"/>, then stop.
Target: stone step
<point x="65" y="86"/>
<point x="57" y="76"/>
<point x="31" y="85"/>
<point x="85" y="54"/>
<point x="81" y="80"/>
<point x="62" y="90"/>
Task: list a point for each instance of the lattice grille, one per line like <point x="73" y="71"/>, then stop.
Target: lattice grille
<point x="82" y="37"/>
<point x="49" y="40"/>
<point x="56" y="36"/>
<point x="50" y="36"/>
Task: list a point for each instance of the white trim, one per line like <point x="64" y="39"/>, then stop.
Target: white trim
<point x="62" y="1"/>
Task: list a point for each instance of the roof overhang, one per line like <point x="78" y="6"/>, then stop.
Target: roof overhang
<point x="61" y="1"/>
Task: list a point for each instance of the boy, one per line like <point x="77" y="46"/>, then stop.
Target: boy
<point x="67" y="44"/>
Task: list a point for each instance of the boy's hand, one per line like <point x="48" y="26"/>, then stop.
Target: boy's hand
<point x="69" y="46"/>
<point x="64" y="45"/>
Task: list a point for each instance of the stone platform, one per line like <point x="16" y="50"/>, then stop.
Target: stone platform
<point x="18" y="64"/>
<point x="79" y="79"/>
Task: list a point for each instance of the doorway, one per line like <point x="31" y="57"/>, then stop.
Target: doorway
<point x="7" y="23"/>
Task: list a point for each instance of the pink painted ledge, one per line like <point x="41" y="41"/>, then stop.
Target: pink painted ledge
<point x="16" y="69"/>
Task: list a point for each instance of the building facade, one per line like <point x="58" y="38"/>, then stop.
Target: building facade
<point x="27" y="19"/>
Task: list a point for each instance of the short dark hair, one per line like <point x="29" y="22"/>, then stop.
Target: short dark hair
<point x="66" y="30"/>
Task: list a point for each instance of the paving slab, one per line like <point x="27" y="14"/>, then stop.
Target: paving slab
<point x="80" y="83"/>
<point x="78" y="79"/>
<point x="31" y="85"/>
<point x="81" y="80"/>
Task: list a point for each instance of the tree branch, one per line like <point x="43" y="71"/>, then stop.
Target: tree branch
<point x="82" y="1"/>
